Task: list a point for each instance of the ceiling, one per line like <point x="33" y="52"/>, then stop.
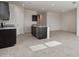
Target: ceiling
<point x="56" y="6"/>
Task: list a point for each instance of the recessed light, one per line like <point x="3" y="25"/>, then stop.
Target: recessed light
<point x="23" y="5"/>
<point x="53" y="4"/>
<point x="42" y="8"/>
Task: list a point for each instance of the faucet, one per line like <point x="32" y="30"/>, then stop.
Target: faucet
<point x="2" y="24"/>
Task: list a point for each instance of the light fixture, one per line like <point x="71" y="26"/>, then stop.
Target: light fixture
<point x="43" y="9"/>
<point x="23" y="5"/>
<point x="53" y="5"/>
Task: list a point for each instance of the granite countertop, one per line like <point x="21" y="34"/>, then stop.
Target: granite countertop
<point x="8" y="27"/>
<point x="38" y="25"/>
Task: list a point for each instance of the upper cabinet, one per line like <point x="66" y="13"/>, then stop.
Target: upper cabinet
<point x="4" y="10"/>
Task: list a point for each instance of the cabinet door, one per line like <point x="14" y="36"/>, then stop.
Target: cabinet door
<point x="7" y="37"/>
<point x="42" y="33"/>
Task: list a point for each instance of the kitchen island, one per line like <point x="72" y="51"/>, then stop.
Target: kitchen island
<point x="39" y="32"/>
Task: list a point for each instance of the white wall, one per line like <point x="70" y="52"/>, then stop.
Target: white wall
<point x="12" y="15"/>
<point x="77" y="21"/>
<point x="28" y="19"/>
<point x="53" y="21"/>
<point x="43" y="19"/>
<point x="19" y="17"/>
<point x="16" y="17"/>
<point x="68" y="21"/>
<point x="62" y="21"/>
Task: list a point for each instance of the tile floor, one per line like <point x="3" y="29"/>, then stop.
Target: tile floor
<point x="69" y="47"/>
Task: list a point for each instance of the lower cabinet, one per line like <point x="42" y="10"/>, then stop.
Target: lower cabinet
<point x="39" y="32"/>
<point x="7" y="37"/>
